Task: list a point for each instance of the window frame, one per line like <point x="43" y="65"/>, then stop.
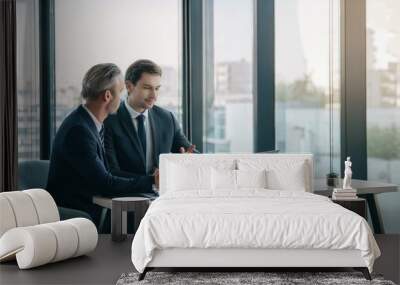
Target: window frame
<point x="47" y="76"/>
<point x="353" y="82"/>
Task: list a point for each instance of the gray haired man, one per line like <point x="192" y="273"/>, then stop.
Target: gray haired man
<point x="78" y="167"/>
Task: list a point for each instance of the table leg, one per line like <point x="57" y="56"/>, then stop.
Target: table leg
<point x="124" y="222"/>
<point x="116" y="222"/>
<point x="373" y="210"/>
<point x="102" y="219"/>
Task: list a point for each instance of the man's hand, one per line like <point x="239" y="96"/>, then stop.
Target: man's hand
<point x="190" y="149"/>
<point x="157" y="178"/>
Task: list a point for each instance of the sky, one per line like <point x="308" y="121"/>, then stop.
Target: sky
<point x="119" y="31"/>
<point x="383" y="18"/>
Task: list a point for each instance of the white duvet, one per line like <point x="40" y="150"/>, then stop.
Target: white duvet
<point x="250" y="219"/>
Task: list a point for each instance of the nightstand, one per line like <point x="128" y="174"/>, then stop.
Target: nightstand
<point x="358" y="206"/>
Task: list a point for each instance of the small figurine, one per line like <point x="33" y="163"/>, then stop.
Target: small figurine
<point x="347" y="174"/>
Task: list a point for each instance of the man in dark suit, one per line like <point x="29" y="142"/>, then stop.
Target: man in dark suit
<point x="140" y="131"/>
<point x="78" y="166"/>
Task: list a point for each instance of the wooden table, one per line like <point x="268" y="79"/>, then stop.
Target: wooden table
<point x="119" y="208"/>
<point x="365" y="189"/>
<point x="357" y="206"/>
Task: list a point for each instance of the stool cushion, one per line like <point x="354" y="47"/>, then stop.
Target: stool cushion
<point x="26" y="208"/>
<point x="7" y="220"/>
<point x="31" y="231"/>
<point x="40" y="244"/>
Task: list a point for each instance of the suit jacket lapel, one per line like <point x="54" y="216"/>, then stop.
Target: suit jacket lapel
<point x="127" y="124"/>
<point x="154" y="136"/>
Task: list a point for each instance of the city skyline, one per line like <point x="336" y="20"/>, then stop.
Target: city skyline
<point x="233" y="73"/>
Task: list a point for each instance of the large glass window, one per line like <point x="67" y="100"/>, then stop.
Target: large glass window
<point x="28" y="95"/>
<point x="119" y="31"/>
<point x="307" y="80"/>
<point x="228" y="64"/>
<point x="383" y="102"/>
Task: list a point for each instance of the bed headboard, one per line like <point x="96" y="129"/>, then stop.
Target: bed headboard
<point x="237" y="161"/>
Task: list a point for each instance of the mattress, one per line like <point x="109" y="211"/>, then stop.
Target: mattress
<point x="250" y="219"/>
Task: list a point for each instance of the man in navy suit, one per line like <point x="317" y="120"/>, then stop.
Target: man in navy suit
<point x="78" y="165"/>
<point x="140" y="131"/>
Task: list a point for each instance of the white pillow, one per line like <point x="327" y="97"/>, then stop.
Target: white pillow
<point x="182" y="177"/>
<point x="223" y="179"/>
<point x="236" y="179"/>
<point x="191" y="172"/>
<point x="251" y="178"/>
<point x="293" y="179"/>
<point x="282" y="174"/>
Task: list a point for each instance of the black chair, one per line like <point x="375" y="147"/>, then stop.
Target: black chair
<point x="33" y="174"/>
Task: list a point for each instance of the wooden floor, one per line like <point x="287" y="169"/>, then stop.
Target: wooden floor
<point x="110" y="260"/>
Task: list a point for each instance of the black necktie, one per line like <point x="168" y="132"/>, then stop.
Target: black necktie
<point x="142" y="132"/>
<point x="101" y="134"/>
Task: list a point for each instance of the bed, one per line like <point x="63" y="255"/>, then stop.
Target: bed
<point x="247" y="210"/>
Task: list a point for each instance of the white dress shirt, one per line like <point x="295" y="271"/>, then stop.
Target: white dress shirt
<point x="149" y="141"/>
<point x="96" y="122"/>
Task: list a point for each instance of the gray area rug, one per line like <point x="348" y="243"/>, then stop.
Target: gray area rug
<point x="228" y="278"/>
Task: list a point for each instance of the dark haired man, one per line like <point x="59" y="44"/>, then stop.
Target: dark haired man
<point x="78" y="167"/>
<point x="140" y="131"/>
